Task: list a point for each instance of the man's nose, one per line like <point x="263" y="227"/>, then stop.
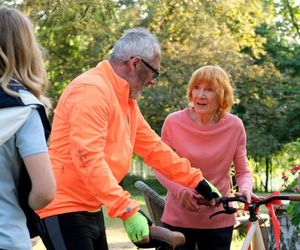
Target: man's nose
<point x="152" y="83"/>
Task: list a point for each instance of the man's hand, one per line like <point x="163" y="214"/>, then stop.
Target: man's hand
<point x="137" y="227"/>
<point x="208" y="191"/>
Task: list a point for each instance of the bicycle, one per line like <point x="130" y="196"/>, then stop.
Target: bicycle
<point x="254" y="234"/>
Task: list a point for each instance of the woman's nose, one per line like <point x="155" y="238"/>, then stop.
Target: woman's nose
<point x="201" y="93"/>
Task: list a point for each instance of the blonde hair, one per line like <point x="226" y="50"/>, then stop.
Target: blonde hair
<point x="20" y="54"/>
<point x="216" y="78"/>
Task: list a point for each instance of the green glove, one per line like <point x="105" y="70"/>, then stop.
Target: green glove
<point x="136" y="227"/>
<point x="207" y="190"/>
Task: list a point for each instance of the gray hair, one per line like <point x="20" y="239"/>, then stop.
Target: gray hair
<point x="136" y="42"/>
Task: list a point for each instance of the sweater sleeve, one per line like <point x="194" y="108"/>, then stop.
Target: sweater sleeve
<point x="162" y="158"/>
<point x="243" y="174"/>
<point x="89" y="111"/>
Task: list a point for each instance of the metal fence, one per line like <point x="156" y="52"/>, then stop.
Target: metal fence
<point x="139" y="168"/>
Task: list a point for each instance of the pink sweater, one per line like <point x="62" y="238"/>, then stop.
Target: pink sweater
<point x="213" y="149"/>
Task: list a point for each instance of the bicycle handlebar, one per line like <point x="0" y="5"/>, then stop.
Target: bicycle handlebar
<point x="294" y="197"/>
<point x="252" y="207"/>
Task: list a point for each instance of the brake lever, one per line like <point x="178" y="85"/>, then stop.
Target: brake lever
<point x="228" y="210"/>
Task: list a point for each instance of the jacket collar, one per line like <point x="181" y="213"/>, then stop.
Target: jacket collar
<point x="120" y="86"/>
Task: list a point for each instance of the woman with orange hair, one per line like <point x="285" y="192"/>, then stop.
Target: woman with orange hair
<point x="212" y="139"/>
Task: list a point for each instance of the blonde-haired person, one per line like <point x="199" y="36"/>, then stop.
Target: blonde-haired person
<point x="23" y="126"/>
<point x="212" y="139"/>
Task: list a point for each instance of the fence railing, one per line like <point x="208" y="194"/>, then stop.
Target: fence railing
<point x="139" y="168"/>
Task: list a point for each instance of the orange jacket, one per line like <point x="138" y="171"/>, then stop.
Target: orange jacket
<point x="96" y="129"/>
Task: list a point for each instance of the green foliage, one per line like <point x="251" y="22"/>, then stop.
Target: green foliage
<point x="256" y="42"/>
<point x="72" y="33"/>
<point x="288" y="24"/>
<point x="258" y="106"/>
<point x="129" y="180"/>
<point x="253" y="166"/>
<point x="196" y="33"/>
<point x="288" y="156"/>
<point x="293" y="211"/>
<point x="292" y="184"/>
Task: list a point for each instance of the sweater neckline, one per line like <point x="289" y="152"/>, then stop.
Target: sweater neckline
<point x="205" y="127"/>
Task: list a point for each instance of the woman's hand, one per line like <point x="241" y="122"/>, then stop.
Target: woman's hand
<point x="188" y="199"/>
<point x="246" y="194"/>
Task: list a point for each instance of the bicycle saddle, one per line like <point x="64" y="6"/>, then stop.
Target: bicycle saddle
<point x="162" y="238"/>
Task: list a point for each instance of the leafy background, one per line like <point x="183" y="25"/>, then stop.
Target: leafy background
<point x="256" y="42"/>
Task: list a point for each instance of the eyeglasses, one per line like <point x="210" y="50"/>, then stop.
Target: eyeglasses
<point x="155" y="71"/>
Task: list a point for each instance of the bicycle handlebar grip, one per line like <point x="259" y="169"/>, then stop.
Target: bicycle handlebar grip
<point x="206" y="202"/>
<point x="202" y="202"/>
<point x="294" y="197"/>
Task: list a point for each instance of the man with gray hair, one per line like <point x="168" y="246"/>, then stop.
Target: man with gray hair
<point x="97" y="127"/>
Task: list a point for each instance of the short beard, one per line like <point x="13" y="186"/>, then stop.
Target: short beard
<point x="135" y="96"/>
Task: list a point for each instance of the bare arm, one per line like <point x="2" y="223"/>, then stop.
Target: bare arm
<point x="43" y="182"/>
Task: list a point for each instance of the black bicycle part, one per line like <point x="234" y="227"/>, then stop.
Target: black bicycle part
<point x="154" y="243"/>
<point x="225" y="202"/>
<point x="252" y="207"/>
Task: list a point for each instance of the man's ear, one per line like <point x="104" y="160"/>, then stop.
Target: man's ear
<point x="134" y="62"/>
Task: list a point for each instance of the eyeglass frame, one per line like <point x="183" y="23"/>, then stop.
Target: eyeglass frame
<point x="156" y="72"/>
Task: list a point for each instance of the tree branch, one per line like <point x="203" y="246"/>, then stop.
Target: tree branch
<point x="292" y="16"/>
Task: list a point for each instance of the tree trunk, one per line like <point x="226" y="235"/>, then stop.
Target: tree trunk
<point x="267" y="174"/>
<point x="289" y="237"/>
